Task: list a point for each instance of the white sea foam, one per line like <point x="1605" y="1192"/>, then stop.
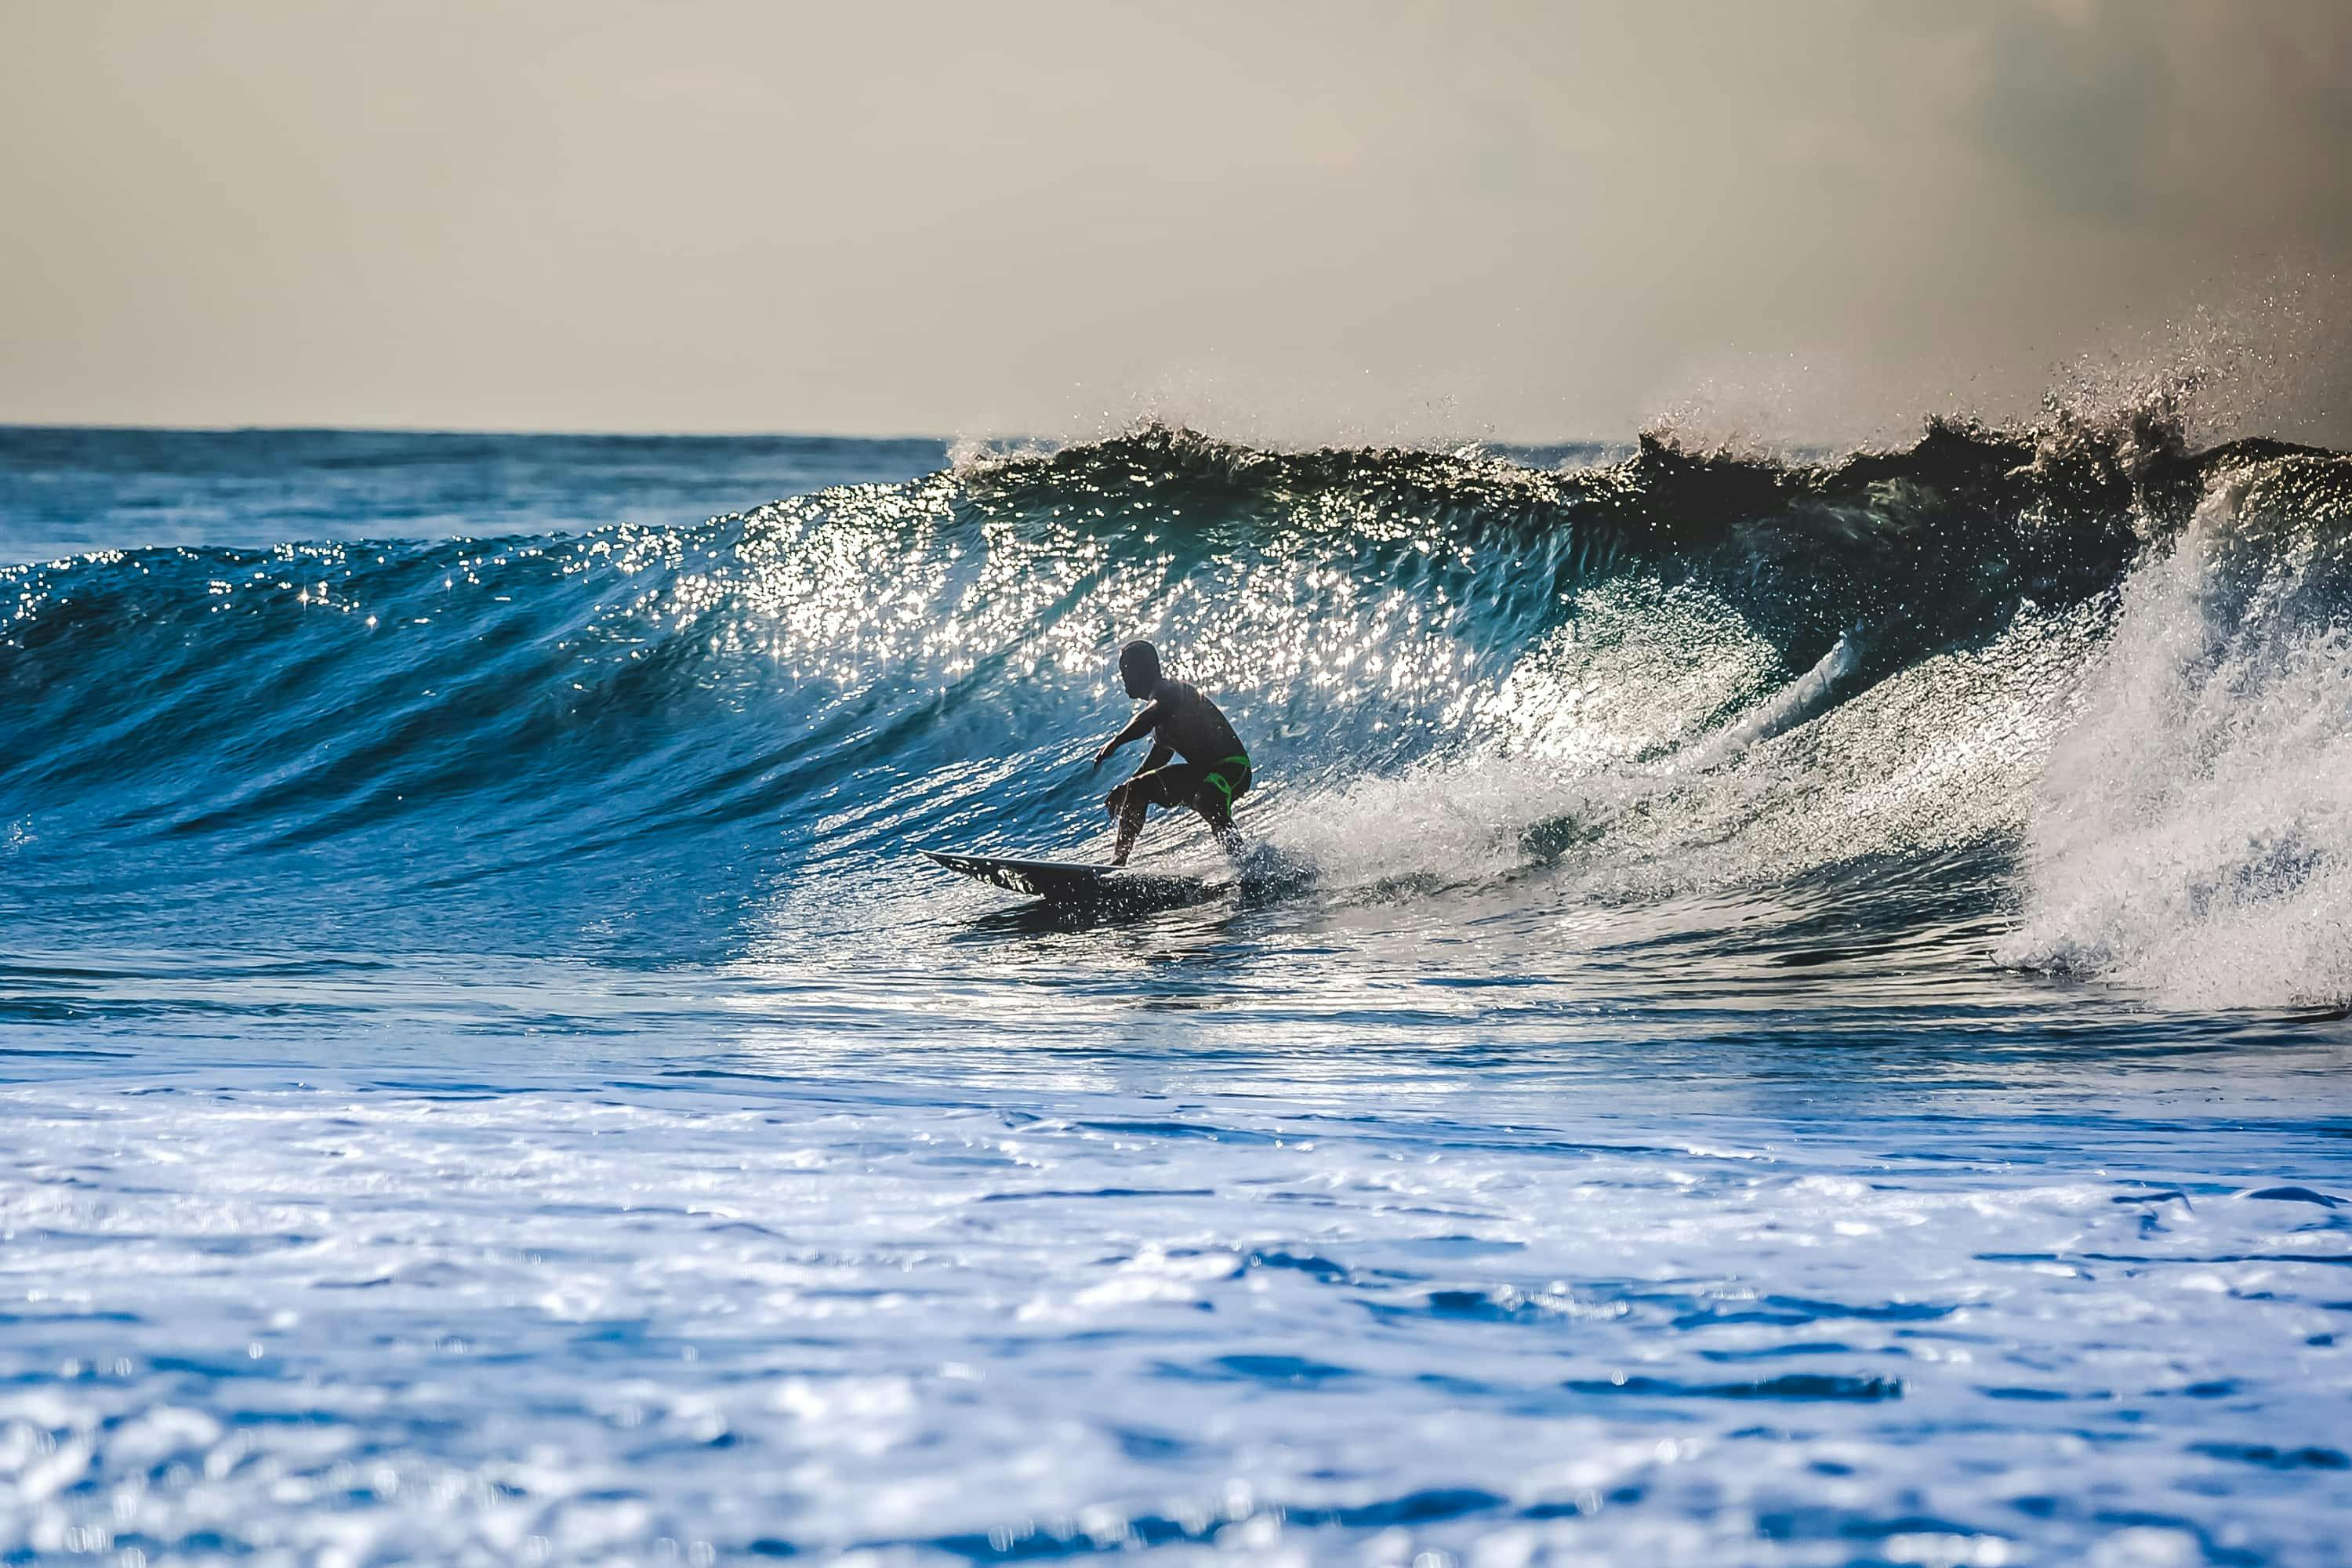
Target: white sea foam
<point x="1617" y="762"/>
<point x="2193" y="834"/>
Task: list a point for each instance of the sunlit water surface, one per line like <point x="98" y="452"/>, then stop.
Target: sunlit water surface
<point x="700" y="1183"/>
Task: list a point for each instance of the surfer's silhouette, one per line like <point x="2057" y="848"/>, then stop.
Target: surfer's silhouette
<point x="1215" y="771"/>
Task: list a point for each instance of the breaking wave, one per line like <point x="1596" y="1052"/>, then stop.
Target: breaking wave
<point x="2081" y="679"/>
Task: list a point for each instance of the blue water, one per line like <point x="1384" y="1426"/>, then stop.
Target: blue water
<point x="1816" y="1035"/>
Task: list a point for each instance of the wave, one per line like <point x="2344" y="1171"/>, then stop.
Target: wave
<point x="1675" y="671"/>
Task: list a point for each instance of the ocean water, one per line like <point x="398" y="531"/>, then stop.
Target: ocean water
<point x="1816" y="1035"/>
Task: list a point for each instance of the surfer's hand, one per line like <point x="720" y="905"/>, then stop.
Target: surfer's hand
<point x="1103" y="756"/>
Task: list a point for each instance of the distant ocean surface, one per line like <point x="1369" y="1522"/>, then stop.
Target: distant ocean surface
<point x="1818" y="1034"/>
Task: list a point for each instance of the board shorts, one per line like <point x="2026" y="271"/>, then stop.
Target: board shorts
<point x="1210" y="788"/>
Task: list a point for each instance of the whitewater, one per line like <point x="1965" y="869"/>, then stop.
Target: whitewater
<point x="1818" y="1032"/>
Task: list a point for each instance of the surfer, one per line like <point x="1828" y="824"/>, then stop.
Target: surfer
<point x="1215" y="771"/>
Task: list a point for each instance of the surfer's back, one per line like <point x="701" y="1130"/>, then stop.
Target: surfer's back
<point x="1193" y="725"/>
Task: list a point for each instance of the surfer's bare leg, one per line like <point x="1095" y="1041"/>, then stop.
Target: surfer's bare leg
<point x="1220" y="818"/>
<point x="1129" y="806"/>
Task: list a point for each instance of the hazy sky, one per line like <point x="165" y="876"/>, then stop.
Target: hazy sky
<point x="1533" y="221"/>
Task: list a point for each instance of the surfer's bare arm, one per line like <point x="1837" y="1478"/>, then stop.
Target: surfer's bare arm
<point x="1142" y="724"/>
<point x="1116" y="801"/>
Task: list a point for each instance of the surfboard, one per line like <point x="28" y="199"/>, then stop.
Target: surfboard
<point x="1076" y="884"/>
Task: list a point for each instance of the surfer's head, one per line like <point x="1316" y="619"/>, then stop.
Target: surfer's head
<point x="1139" y="669"/>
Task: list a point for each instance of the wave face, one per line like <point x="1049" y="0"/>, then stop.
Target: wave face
<point x="2080" y="674"/>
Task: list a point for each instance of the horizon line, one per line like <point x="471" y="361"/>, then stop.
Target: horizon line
<point x="558" y="433"/>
